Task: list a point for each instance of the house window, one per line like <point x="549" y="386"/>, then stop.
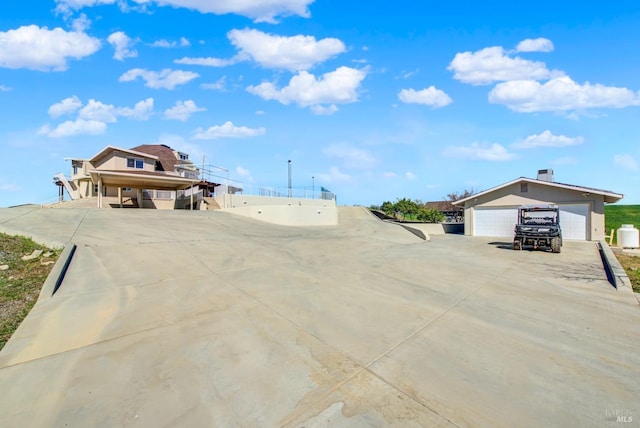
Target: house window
<point x="183" y="156"/>
<point x="524" y="187"/>
<point x="135" y="163"/>
<point x="126" y="189"/>
<point x="75" y="169"/>
<point x="95" y="189"/>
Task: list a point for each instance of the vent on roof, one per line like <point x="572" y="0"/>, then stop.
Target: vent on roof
<point x="545" y="175"/>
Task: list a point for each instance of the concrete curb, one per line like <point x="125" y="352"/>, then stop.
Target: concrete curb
<point x="419" y="233"/>
<point x="615" y="272"/>
<point x="54" y="280"/>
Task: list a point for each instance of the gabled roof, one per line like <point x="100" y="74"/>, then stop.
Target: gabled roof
<point x="609" y="196"/>
<point x="108" y="149"/>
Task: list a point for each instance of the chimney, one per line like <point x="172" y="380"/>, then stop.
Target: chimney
<point x="545" y="175"/>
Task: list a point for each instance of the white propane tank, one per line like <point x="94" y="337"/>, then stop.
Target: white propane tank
<point x="628" y="236"/>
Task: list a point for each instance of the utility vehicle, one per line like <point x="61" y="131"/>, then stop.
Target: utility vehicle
<point x="538" y="227"/>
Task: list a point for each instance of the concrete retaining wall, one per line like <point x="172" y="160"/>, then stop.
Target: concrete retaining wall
<point x="284" y="211"/>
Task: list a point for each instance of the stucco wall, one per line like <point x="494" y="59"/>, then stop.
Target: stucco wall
<point x="284" y="211"/>
<point x="118" y="161"/>
<point x="511" y="196"/>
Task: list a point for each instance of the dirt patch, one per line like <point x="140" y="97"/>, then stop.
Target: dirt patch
<point x="21" y="279"/>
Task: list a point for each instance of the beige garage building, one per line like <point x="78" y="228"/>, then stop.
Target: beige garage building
<point x="494" y="212"/>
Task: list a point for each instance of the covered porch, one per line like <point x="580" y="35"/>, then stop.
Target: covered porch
<point x="138" y="181"/>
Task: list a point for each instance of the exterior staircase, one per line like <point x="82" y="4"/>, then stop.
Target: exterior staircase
<point x="211" y="204"/>
<point x="70" y="187"/>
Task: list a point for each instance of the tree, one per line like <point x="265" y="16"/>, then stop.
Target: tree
<point x="429" y="215"/>
<point x="388" y="208"/>
<point x="406" y="207"/>
<point x="455" y="196"/>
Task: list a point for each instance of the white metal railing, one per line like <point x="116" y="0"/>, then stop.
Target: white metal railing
<point x="220" y="175"/>
<point x="278" y="192"/>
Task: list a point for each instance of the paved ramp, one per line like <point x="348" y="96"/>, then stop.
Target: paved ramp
<point x="178" y="318"/>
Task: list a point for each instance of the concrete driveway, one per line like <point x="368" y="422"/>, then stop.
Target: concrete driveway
<point x="178" y="318"/>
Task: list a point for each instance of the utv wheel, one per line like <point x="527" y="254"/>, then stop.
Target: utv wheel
<point x="556" y="243"/>
<point x="517" y="245"/>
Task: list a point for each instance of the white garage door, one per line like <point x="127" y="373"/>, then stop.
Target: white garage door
<point x="495" y="221"/>
<point x="573" y="221"/>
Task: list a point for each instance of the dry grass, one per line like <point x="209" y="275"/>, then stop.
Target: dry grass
<point x="20" y="284"/>
<point x="631" y="265"/>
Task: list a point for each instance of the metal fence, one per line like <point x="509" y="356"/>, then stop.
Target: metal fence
<point x="238" y="188"/>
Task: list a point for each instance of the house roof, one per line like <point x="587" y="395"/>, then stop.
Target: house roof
<point x="164" y="154"/>
<point x="609" y="196"/>
<point x="108" y="149"/>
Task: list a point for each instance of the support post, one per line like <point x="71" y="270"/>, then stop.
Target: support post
<point x="99" y="191"/>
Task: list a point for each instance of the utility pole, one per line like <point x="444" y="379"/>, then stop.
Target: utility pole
<point x="313" y="187"/>
<point x="289" y="163"/>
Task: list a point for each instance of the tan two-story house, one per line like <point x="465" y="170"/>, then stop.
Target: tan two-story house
<point x="153" y="176"/>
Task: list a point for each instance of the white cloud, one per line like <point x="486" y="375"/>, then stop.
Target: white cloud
<point x="67" y="6"/>
<point x="207" y="62"/>
<point x="76" y="127"/>
<point x="162" y="43"/>
<point x="336" y="87"/>
<point x="560" y="94"/>
<point x="66" y="106"/>
<point x="535" y="45"/>
<point x="244" y="173"/>
<point x="143" y="110"/>
<point x="492" y="64"/>
<point x="480" y="151"/>
<point x="108" y="113"/>
<point x="218" y="85"/>
<point x="92" y="119"/>
<point x="258" y="10"/>
<point x="165" y="79"/>
<point x="547" y="139"/>
<point x="81" y="23"/>
<point x="4" y="88"/>
<point x="227" y="130"/>
<point x="626" y="161"/>
<point x="42" y="49"/>
<point x="98" y="111"/>
<point x="321" y="110"/>
<point x="409" y="175"/>
<point x="334" y="175"/>
<point x="430" y="96"/>
<point x="291" y="53"/>
<point x="122" y="45"/>
<point x="407" y="74"/>
<point x="182" y="110"/>
<point x="352" y="157"/>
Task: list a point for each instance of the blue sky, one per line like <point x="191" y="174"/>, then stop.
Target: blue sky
<point x="376" y="100"/>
